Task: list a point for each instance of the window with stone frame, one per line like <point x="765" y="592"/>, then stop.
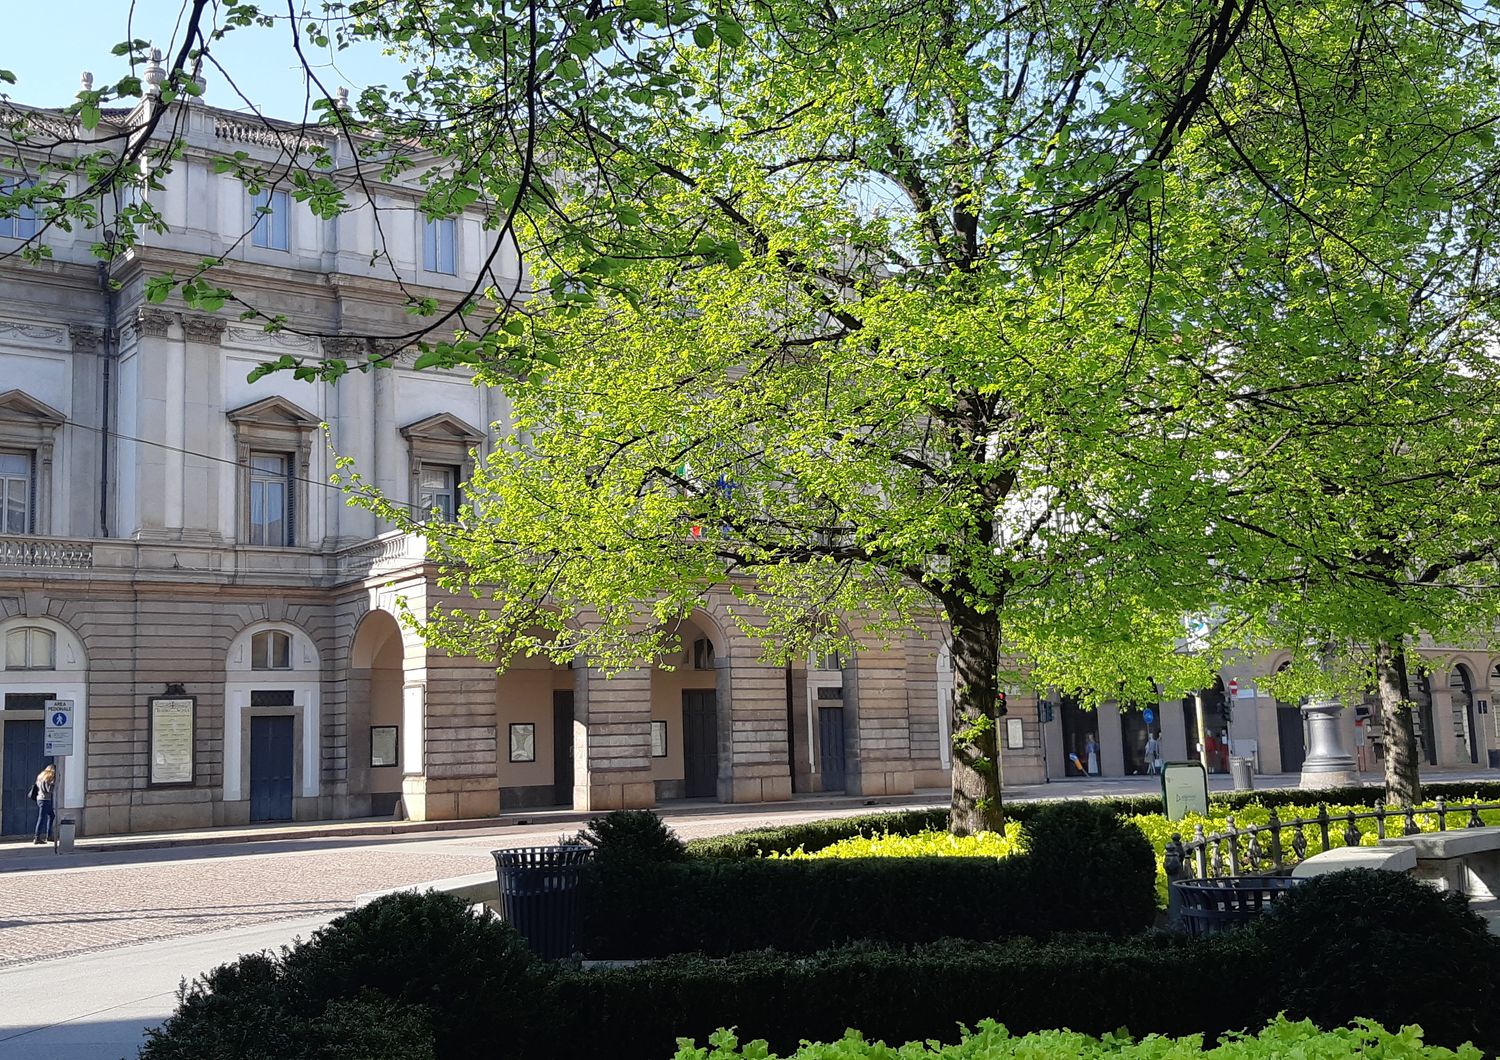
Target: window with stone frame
<point x="23" y="224"/>
<point x="17" y="491"/>
<point x="271" y="649"/>
<point x="273" y="446"/>
<point x="441" y="451"/>
<point x="440" y="246"/>
<point x="437" y="486"/>
<point x="270" y="213"/>
<point x="30" y="648"/>
<point x="28" y="430"/>
<point x="271" y="514"/>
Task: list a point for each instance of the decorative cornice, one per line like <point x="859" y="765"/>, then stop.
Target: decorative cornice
<point x="202" y="329"/>
<point x="344" y="347"/>
<point x="33" y="333"/>
<point x="85" y="339"/>
<point x="262" y="337"/>
<point x="155" y="323"/>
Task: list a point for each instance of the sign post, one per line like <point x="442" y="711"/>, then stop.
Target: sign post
<point x="57" y="732"/>
<point x="1184" y="789"/>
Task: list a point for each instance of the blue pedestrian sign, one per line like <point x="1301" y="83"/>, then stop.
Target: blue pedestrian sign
<point x="57" y="729"/>
<point x="1149" y="715"/>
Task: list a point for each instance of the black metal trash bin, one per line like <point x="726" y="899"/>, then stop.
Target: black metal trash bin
<point x="539" y="889"/>
<point x="1211" y="906"/>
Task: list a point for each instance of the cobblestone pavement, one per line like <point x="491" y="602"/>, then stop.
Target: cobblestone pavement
<point x="113" y="899"/>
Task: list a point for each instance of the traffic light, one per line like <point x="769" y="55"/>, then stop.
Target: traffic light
<point x="1045" y="708"/>
<point x="1000" y="704"/>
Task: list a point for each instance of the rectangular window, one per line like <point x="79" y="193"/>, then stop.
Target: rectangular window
<point x="270" y="499"/>
<point x="17" y="491"/>
<point x="19" y="222"/>
<point x="270" y="210"/>
<point x="272" y="697"/>
<point x="439" y="491"/>
<point x="438" y="243"/>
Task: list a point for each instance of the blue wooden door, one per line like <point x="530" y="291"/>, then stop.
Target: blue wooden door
<point x="23" y="761"/>
<point x="831" y="744"/>
<point x="271" y="769"/>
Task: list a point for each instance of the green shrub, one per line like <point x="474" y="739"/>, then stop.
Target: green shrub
<point x="993" y="1041"/>
<point x="812" y="836"/>
<point x="1084" y="870"/>
<point x="1390" y="945"/>
<point x="920" y="845"/>
<point x="409" y="967"/>
<point x="637" y="835"/>
<point x="1149" y="983"/>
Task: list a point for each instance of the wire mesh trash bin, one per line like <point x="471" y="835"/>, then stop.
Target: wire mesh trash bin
<point x="539" y="893"/>
<point x="1239" y="773"/>
<point x="1210" y="906"/>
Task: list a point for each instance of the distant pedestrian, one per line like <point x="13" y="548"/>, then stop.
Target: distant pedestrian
<point x="46" y="785"/>
<point x="1091" y="749"/>
<point x="1361" y="756"/>
<point x="1153" y="754"/>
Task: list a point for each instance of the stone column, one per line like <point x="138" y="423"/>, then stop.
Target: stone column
<point x="753" y="763"/>
<point x="878" y="739"/>
<point x="203" y="427"/>
<point x="459" y="751"/>
<point x="612" y="748"/>
<point x="1111" y="740"/>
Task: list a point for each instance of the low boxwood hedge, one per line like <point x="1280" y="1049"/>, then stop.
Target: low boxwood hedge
<point x="415" y="976"/>
<point x="815" y="835"/>
<point x="1084" y="869"/>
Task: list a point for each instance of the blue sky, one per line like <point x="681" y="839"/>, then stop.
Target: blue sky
<point x="48" y="43"/>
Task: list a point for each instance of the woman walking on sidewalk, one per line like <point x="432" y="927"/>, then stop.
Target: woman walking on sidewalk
<point x="46" y="784"/>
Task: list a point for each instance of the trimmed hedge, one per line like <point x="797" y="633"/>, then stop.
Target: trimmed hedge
<point x="815" y="835"/>
<point x="1084" y="869"/>
<point x="1342" y="946"/>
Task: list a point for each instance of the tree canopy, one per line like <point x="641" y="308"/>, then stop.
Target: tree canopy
<point x="1020" y="313"/>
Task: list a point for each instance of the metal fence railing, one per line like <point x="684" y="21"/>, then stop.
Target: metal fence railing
<point x="1274" y="847"/>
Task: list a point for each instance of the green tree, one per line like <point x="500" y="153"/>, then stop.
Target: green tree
<point x="947" y="308"/>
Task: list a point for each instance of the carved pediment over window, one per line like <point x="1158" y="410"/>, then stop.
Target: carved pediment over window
<point x="19" y="407"/>
<point x="274" y="412"/>
<point x="445" y="442"/>
<point x="444" y="427"/>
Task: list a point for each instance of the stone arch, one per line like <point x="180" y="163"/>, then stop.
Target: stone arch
<point x="538" y="731"/>
<point x="24" y="691"/>
<point x="1461" y="683"/>
<point x="691" y="738"/>
<point x="253" y="689"/>
<point x="375" y="713"/>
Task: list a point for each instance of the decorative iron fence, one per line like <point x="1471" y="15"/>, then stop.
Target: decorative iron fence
<point x="1274" y="847"/>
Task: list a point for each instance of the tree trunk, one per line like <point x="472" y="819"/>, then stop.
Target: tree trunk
<point x="1402" y="784"/>
<point x="976" y="746"/>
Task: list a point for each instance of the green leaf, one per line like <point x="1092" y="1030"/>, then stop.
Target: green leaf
<point x="703" y="35"/>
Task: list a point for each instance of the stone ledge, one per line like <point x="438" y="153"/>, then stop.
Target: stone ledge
<point x="1437" y="846"/>
<point x="1388" y="859"/>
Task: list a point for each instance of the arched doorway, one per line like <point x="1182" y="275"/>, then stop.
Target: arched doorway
<point x="1461" y="690"/>
<point x="535" y="733"/>
<point x="1291" y="733"/>
<point x="272" y="724"/>
<point x="42" y="661"/>
<point x="376" y="679"/>
<point x="1422" y="721"/>
<point x="1216" y="716"/>
<point x="686" y="725"/>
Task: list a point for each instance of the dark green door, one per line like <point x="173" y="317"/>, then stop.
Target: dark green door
<point x="831" y="747"/>
<point x="23" y="761"/>
<point x="271" y="769"/>
<point x="562" y="748"/>
<point x="700" y="744"/>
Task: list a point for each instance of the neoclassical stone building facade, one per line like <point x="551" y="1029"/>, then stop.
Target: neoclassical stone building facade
<point x="174" y="563"/>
